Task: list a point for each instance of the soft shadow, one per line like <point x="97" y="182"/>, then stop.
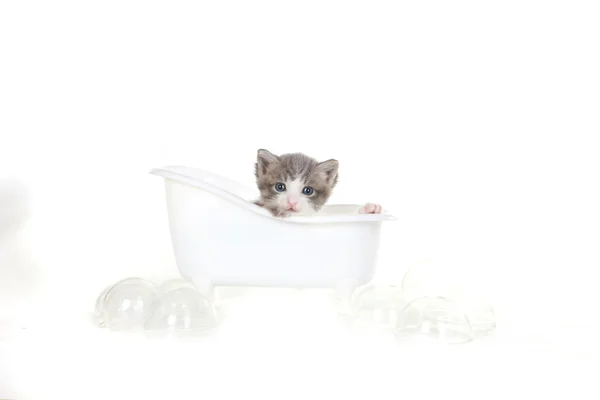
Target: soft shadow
<point x="16" y="269"/>
<point x="14" y="207"/>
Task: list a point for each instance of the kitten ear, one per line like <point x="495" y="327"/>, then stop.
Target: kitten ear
<point x="264" y="159"/>
<point x="328" y="171"/>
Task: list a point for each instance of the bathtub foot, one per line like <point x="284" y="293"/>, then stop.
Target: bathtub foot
<point x="205" y="287"/>
<point x="345" y="291"/>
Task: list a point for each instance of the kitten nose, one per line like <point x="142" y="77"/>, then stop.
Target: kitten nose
<point x="292" y="202"/>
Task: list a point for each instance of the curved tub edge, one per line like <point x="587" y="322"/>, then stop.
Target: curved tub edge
<point x="169" y="174"/>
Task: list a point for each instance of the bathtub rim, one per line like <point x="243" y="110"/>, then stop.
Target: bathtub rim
<point x="173" y="174"/>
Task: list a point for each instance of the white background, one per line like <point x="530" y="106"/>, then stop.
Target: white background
<point x="476" y="123"/>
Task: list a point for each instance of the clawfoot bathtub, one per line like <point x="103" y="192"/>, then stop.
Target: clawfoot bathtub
<point x="220" y="238"/>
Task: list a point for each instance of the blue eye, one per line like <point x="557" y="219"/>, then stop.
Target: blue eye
<point x="308" y="190"/>
<point x="280" y="187"/>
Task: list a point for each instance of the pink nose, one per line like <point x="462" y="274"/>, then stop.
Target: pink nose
<point x="292" y="203"/>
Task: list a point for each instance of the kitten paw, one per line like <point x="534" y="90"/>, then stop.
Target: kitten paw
<point x="370" y="208"/>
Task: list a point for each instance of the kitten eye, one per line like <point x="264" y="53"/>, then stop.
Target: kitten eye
<point x="308" y="190"/>
<point x="280" y="187"/>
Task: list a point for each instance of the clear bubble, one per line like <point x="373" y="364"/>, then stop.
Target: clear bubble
<point x="126" y="304"/>
<point x="377" y="305"/>
<point x="436" y="318"/>
<point x="461" y="282"/>
<point x="138" y="304"/>
<point x="182" y="309"/>
<point x="482" y="317"/>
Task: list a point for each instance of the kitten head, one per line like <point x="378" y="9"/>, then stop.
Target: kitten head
<point x="293" y="184"/>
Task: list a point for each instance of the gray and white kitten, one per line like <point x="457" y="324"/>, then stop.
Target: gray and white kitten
<point x="295" y="184"/>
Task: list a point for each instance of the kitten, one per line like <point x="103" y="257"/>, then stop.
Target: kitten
<point x="295" y="184"/>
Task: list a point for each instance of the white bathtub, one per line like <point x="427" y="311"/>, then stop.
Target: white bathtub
<point x="220" y="238"/>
